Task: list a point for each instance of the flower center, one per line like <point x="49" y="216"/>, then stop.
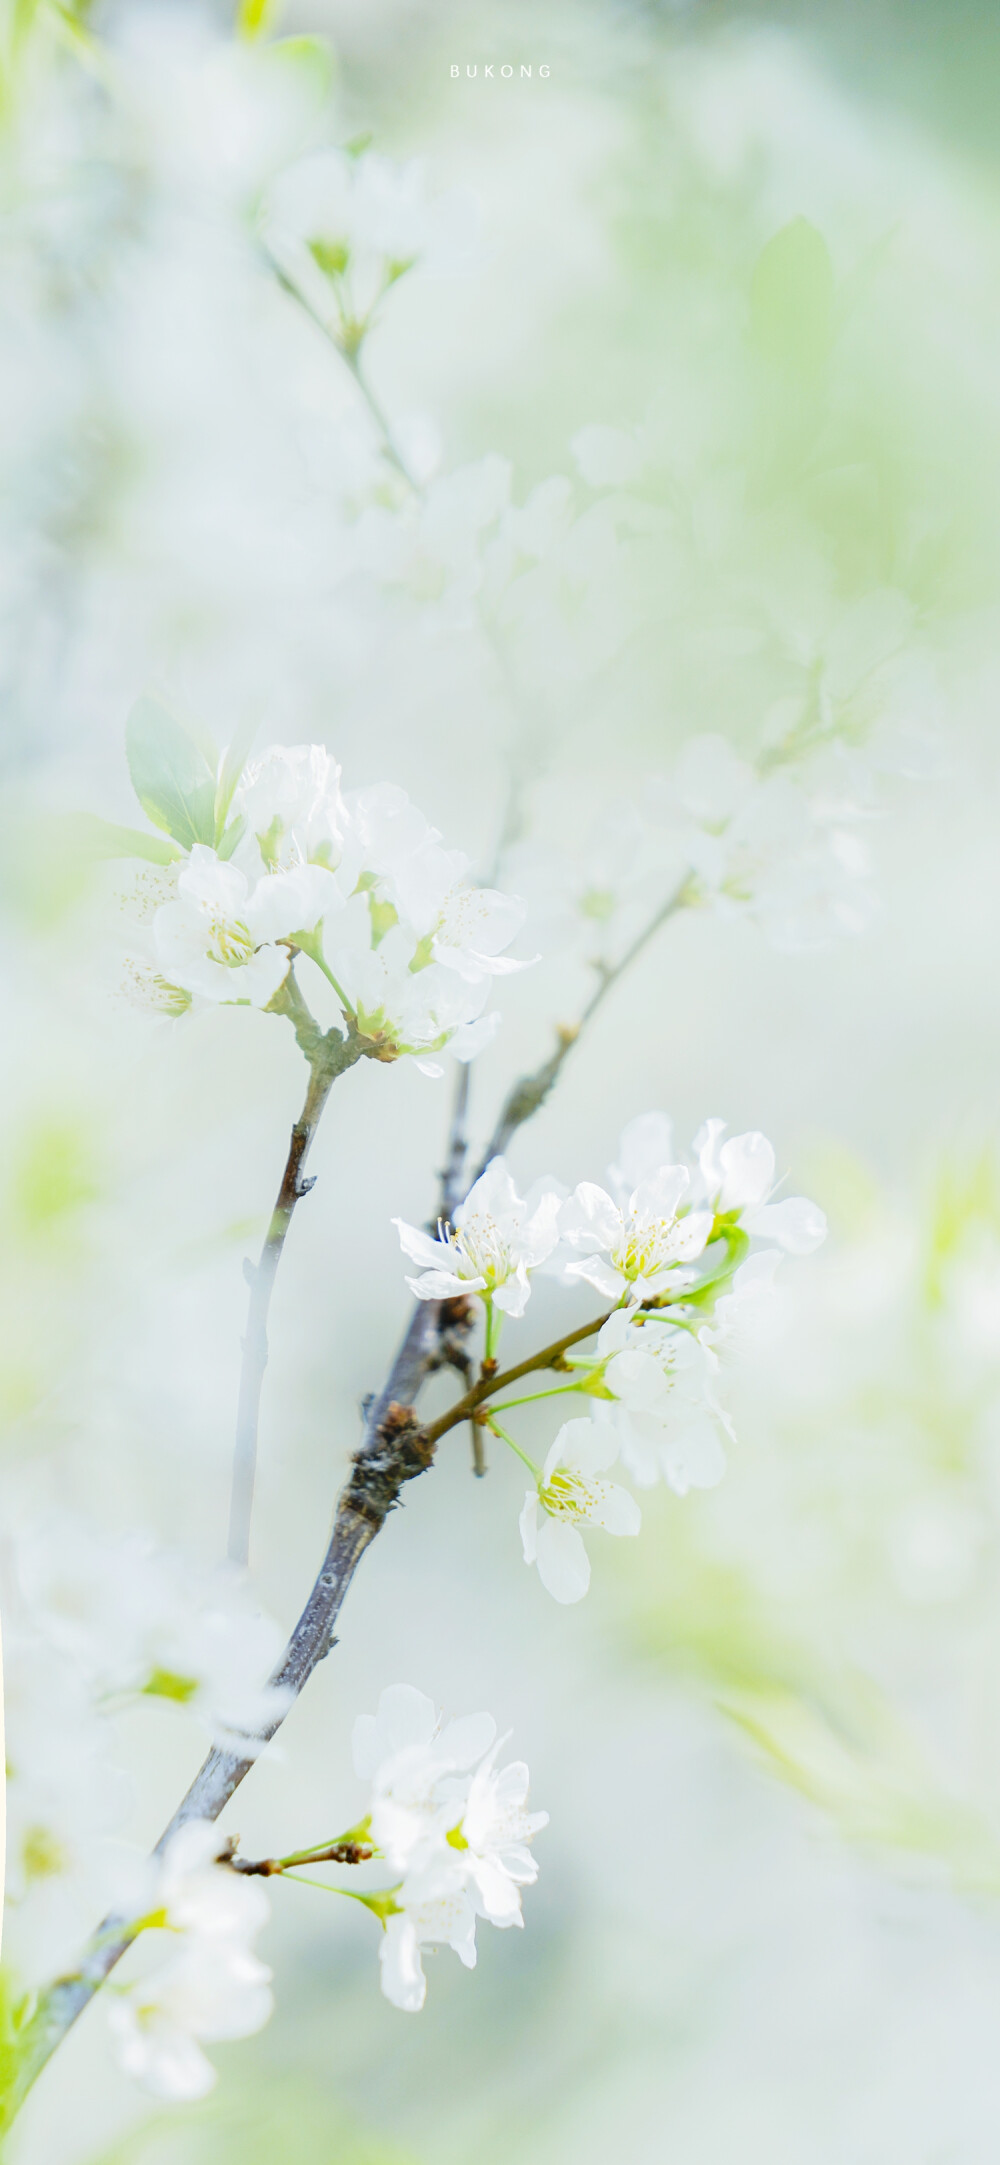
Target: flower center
<point x="567" y="1495"/>
<point x="230" y="943"/>
<point x="646" y="1246"/>
<point x="480" y="1241"/>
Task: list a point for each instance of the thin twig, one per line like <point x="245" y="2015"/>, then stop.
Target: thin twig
<point x="529" y="1093"/>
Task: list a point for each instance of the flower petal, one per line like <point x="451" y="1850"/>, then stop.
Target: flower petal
<point x="563" y="1563"/>
<point x="403" y="1980"/>
<point x="795" y="1224"/>
<point x="420" y="1246"/>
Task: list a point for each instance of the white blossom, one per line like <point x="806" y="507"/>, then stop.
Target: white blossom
<point x="202" y="1993"/>
<point x="497" y="1240"/>
<point x="134" y="1618"/>
<point x="637" y="1249"/>
<point x="436" y="546"/>
<point x="212" y="1986"/>
<point x="218" y="939"/>
<point x="447" y="1919"/>
<point x="776" y="845"/>
<point x="496" y="1829"/>
<point x="407" y="1755"/>
<point x="666" y="1415"/>
<point x="292" y="802"/>
<point x="360" y="222"/>
<point x="459" y="1837"/>
<point x="570" y="1494"/>
<point x="738" y="1176"/>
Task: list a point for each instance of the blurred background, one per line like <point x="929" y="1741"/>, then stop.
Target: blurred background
<point x="723" y="288"/>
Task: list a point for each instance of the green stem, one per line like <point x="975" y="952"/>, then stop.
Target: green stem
<point x="558" y="1390"/>
<point x="536" y="1471"/>
<point x="494" y="1325"/>
<point x="310" y="944"/>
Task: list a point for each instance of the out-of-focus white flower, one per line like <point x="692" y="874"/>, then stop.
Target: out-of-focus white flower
<point x="361" y="221"/>
<point x="638" y="1249"/>
<point x="203" y="1993"/>
<point x="497" y="1240"/>
<point x="219" y="937"/>
<point x="133" y="1618"/>
<point x="66" y="1802"/>
<point x="777" y="846"/>
<point x="291" y="800"/>
<point x="437" y="547"/>
<point x="213" y="1987"/>
<point x="459" y="1837"/>
<point x="738" y="1176"/>
<point x="568" y="1495"/>
<point x="666" y="1416"/>
<point x="752" y="1285"/>
<point x="593" y="895"/>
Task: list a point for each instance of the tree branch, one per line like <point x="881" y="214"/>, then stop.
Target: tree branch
<point x="529" y="1093"/>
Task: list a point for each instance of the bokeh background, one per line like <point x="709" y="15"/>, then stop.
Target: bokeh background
<point x="767" y="1925"/>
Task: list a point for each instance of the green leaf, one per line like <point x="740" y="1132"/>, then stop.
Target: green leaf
<point x="233" y="763"/>
<point x="234" y="833"/>
<point x="791" y="299"/>
<point x="101" y="838"/>
<point x="170" y="773"/>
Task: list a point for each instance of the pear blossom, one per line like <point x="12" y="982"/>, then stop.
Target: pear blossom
<point x="458" y="924"/>
<point x="219" y="938"/>
<point x="134" y="1618"/>
<point x="202" y="1993"/>
<point x="738" y="1176"/>
<point x="568" y="1494"/>
<point x="592" y="892"/>
<point x="211" y="1984"/>
<point x="777" y="845"/>
<point x="634" y="1250"/>
<point x="360" y="222"/>
<point x="292" y="802"/>
<point x="400" y="1008"/>
<point x="437" y="547"/>
<point x="496" y="1830"/>
<point x="666" y="1416"/>
<point x="408" y="1754"/>
<point x="445" y="1919"/>
<point x="451" y="1822"/>
<point x="497" y="1240"/>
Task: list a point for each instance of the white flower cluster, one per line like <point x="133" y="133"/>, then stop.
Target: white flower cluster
<point x="210" y="1985"/>
<point x="669" y="1245"/>
<point x="134" y="1619"/>
<point x="356" y="222"/>
<point x="94" y="1627"/>
<point x="451" y="1823"/>
<point x="361" y="883"/>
